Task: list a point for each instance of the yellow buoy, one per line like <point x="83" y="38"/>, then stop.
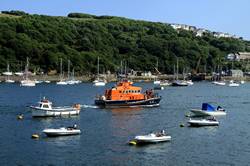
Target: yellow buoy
<point x="20" y="117"/>
<point x="35" y="136"/>
<point x="133" y="142"/>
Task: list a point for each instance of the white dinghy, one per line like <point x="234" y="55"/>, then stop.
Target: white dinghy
<point x="151" y="138"/>
<point x="208" y="110"/>
<point x="219" y="83"/>
<point x="63" y="131"/>
<point x="210" y="121"/>
<point x="233" y="84"/>
<point x="45" y="109"/>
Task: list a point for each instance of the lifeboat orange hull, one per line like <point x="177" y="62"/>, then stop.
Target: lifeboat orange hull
<point x="152" y="102"/>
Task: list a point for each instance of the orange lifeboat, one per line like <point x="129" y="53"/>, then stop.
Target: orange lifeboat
<point x="124" y="94"/>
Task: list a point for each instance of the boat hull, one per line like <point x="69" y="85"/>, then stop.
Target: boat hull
<point x="199" y="123"/>
<point x="149" y="139"/>
<point x="37" y="112"/>
<point x="99" y="84"/>
<point x="198" y="112"/>
<point x="234" y="85"/>
<point x="9" y="81"/>
<point x="61" y="132"/>
<point x="128" y="103"/>
<point x="61" y="83"/>
<point x="28" y="83"/>
<point x="179" y="83"/>
<point x="219" y="83"/>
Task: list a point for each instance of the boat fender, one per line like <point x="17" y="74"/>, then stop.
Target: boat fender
<point x="20" y="117"/>
<point x="35" y="136"/>
<point x="77" y="106"/>
<point x="182" y="125"/>
<point x="133" y="142"/>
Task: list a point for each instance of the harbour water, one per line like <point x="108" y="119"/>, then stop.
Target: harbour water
<point x="106" y="132"/>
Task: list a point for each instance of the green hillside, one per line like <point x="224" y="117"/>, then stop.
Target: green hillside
<point x="82" y="38"/>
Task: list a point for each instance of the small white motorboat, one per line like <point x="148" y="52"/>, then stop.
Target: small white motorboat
<point x="219" y="83"/>
<point x="180" y="83"/>
<point x="157" y="82"/>
<point x="72" y="82"/>
<point x="19" y="73"/>
<point x="28" y="83"/>
<point x="203" y="122"/>
<point x="45" y="109"/>
<point x="190" y="82"/>
<point x="165" y="83"/>
<point x="208" y="110"/>
<point x="61" y="83"/>
<point x="63" y="131"/>
<point x="99" y="83"/>
<point x="233" y="84"/>
<point x="151" y="138"/>
<point x="9" y="81"/>
<point x="38" y="81"/>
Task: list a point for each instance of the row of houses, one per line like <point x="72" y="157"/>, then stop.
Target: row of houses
<point x="201" y="31"/>
<point x="239" y="56"/>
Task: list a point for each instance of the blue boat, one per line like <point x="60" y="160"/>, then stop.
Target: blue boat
<point x="208" y="110"/>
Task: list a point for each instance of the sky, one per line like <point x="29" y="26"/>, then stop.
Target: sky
<point x="231" y="16"/>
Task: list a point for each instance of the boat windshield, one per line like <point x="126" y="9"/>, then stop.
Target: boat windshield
<point x="207" y="107"/>
<point x="45" y="106"/>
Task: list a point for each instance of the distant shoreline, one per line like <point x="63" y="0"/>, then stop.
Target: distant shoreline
<point x="111" y="78"/>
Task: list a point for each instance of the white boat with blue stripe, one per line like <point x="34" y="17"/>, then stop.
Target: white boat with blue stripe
<point x="208" y="110"/>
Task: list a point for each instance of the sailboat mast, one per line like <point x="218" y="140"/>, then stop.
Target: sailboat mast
<point x="98" y="68"/>
<point x="177" y="69"/>
<point x="8" y="67"/>
<point x="121" y="68"/>
<point x="125" y="67"/>
<point x="8" y="70"/>
<point x="174" y="73"/>
<point x="61" y="69"/>
<point x="26" y="68"/>
<point x="73" y="74"/>
<point x="157" y="64"/>
<point x="68" y="69"/>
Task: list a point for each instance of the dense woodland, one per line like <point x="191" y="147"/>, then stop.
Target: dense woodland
<point x="82" y="38"/>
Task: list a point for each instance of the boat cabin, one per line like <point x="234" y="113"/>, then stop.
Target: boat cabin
<point x="124" y="91"/>
<point x="45" y="104"/>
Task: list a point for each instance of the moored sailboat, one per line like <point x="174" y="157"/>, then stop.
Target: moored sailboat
<point x="61" y="82"/>
<point x="98" y="81"/>
<point x="8" y="73"/>
<point x="27" y="82"/>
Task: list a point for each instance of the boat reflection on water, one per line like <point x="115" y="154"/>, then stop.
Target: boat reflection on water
<point x="125" y="122"/>
<point x="67" y="141"/>
<point x="126" y="110"/>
